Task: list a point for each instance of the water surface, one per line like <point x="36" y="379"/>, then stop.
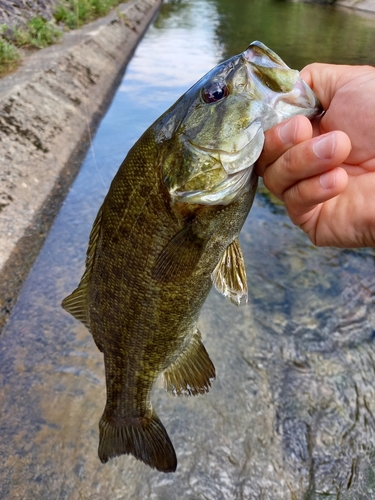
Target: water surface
<point x="291" y="414"/>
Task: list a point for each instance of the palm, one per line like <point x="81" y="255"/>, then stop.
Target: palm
<point x="348" y="219"/>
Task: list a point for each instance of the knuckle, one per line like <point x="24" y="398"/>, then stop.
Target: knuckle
<point x="270" y="181"/>
<point x="293" y="198"/>
<point x="288" y="165"/>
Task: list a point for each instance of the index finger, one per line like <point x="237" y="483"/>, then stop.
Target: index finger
<point x="281" y="138"/>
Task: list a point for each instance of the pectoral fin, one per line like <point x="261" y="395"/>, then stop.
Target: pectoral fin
<point x="229" y="276"/>
<point x="181" y="255"/>
<point x="192" y="372"/>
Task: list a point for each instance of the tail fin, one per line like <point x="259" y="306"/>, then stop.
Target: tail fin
<point x="144" y="438"/>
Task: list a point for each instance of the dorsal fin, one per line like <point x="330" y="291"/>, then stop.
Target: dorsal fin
<point x="76" y="302"/>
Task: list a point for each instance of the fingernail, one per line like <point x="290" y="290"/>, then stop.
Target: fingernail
<point x="328" y="180"/>
<point x="287" y="132"/>
<point x="325" y="148"/>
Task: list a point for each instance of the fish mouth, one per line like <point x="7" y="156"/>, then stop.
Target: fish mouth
<point x="308" y="103"/>
<point x="224" y="193"/>
<point x="261" y="55"/>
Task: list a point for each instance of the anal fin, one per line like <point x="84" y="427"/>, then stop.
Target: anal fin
<point x="229" y="276"/>
<point x="192" y="372"/>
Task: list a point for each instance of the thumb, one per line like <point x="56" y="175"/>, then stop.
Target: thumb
<point x="326" y="79"/>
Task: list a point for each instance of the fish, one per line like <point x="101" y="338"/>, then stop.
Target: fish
<point x="167" y="230"/>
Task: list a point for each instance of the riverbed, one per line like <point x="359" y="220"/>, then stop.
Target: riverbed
<point x="291" y="414"/>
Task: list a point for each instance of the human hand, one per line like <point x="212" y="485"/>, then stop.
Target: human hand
<point x="325" y="171"/>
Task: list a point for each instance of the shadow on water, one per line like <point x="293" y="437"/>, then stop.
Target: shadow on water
<point x="291" y="414"/>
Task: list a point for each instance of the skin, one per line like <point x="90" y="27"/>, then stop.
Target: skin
<point x="325" y="171"/>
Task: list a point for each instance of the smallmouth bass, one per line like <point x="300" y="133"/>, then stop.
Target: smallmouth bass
<point x="168" y="228"/>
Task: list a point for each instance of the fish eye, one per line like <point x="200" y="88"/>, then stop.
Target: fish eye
<point x="214" y="91"/>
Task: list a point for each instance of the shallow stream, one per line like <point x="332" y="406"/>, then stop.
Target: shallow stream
<point x="292" y="412"/>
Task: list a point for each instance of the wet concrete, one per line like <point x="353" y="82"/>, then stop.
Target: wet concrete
<point x="49" y="110"/>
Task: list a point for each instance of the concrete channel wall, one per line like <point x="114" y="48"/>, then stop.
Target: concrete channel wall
<point x="49" y="109"/>
<point x="361" y="5"/>
<point x="364" y="6"/>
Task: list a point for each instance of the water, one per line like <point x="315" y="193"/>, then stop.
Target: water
<point x="291" y="414"/>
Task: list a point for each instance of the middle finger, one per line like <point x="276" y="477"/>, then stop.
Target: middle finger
<point x="306" y="159"/>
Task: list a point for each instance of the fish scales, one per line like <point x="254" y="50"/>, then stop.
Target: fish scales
<point x="167" y="229"/>
<point x="152" y="330"/>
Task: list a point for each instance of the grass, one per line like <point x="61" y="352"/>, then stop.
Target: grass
<point x="74" y="13"/>
<point x="39" y="33"/>
<point x="9" y="55"/>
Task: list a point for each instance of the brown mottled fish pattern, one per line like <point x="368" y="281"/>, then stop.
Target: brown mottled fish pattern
<point x="166" y="231"/>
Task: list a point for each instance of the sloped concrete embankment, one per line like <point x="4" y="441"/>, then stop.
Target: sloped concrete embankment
<point x="49" y="109"/>
<point x="361" y="5"/>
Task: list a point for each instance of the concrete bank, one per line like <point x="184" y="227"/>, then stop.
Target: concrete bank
<point x="360" y="5"/>
<point x="49" y="109"/>
<point x="357" y="6"/>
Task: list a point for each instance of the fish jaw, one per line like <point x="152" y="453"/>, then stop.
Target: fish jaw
<point x="288" y="94"/>
<point x="238" y="167"/>
<point x="271" y="68"/>
<point x="228" y="191"/>
<point x="238" y="163"/>
<point x="259" y="91"/>
<point x="242" y="152"/>
<point x="308" y="104"/>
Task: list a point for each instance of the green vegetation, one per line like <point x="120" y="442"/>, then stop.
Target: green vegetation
<point x="39" y="33"/>
<point x="74" y="13"/>
<point x="9" y="55"/>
